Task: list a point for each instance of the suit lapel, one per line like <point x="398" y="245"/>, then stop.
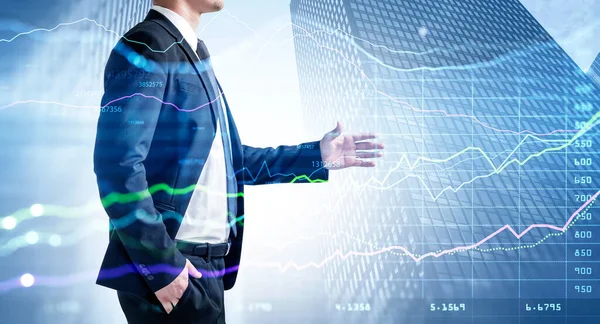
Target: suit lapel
<point x="192" y="58"/>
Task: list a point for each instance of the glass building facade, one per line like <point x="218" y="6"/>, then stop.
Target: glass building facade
<point x="594" y="71"/>
<point x="490" y="128"/>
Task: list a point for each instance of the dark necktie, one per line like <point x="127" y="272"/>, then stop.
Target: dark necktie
<point x="208" y="76"/>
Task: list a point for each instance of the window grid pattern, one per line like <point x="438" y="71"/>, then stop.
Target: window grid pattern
<point x="491" y="66"/>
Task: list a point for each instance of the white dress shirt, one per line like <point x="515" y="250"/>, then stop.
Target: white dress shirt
<point x="205" y="220"/>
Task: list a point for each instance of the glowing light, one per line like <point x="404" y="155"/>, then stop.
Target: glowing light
<point x="423" y="31"/>
<point x="55" y="240"/>
<point x="36" y="210"/>
<point x="9" y="222"/>
<point x="27" y="280"/>
<point x="32" y="237"/>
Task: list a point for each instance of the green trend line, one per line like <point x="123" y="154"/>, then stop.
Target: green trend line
<point x="586" y="127"/>
<point x="124" y="198"/>
<point x="115" y="197"/>
<point x="136" y="196"/>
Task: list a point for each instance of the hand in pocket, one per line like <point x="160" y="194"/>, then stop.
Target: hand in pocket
<point x="170" y="295"/>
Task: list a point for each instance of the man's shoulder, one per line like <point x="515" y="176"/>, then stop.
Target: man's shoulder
<point x="145" y="46"/>
<point x="148" y="37"/>
<point x="147" y="28"/>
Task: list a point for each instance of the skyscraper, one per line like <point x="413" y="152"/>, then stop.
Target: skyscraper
<point x="484" y="117"/>
<point x="594" y="71"/>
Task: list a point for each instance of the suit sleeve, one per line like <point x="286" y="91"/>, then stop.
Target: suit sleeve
<point x="284" y="164"/>
<point x="134" y="84"/>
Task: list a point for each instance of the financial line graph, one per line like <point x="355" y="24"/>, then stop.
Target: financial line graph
<point x="136" y="196"/>
<point x="404" y="159"/>
<point x="380" y="184"/>
<point x="106" y="29"/>
<point x="419" y="258"/>
<point x="503" y="202"/>
<point x="117" y="35"/>
<point x="124" y="198"/>
<point x="308" y="34"/>
<point x="112" y="102"/>
<point x="496" y="170"/>
<point x="418" y="110"/>
<point x="266" y="40"/>
<point x="490" y="229"/>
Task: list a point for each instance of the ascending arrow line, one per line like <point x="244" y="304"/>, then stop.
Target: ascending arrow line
<point x="508" y="227"/>
<point x="418" y="258"/>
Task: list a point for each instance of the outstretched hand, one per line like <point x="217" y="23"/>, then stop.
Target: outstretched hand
<point x="339" y="151"/>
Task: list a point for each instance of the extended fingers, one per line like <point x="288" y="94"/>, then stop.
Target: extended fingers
<point x="364" y="136"/>
<point x="363" y="163"/>
<point x="369" y="146"/>
<point x="369" y="155"/>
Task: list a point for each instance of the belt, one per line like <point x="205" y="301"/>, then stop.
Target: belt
<point x="217" y="250"/>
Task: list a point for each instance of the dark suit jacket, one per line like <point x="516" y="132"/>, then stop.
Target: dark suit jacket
<point x="155" y="131"/>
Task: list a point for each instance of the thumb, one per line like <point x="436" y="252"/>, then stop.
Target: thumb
<point x="193" y="271"/>
<point x="336" y="131"/>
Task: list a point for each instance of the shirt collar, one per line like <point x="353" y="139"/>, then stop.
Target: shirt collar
<point x="181" y="24"/>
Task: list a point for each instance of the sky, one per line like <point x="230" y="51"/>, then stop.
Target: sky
<point x="573" y="24"/>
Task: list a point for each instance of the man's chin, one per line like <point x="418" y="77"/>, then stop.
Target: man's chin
<point x="213" y="6"/>
<point x="218" y="6"/>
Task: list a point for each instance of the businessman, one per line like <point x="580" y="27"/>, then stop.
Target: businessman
<point x="171" y="170"/>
